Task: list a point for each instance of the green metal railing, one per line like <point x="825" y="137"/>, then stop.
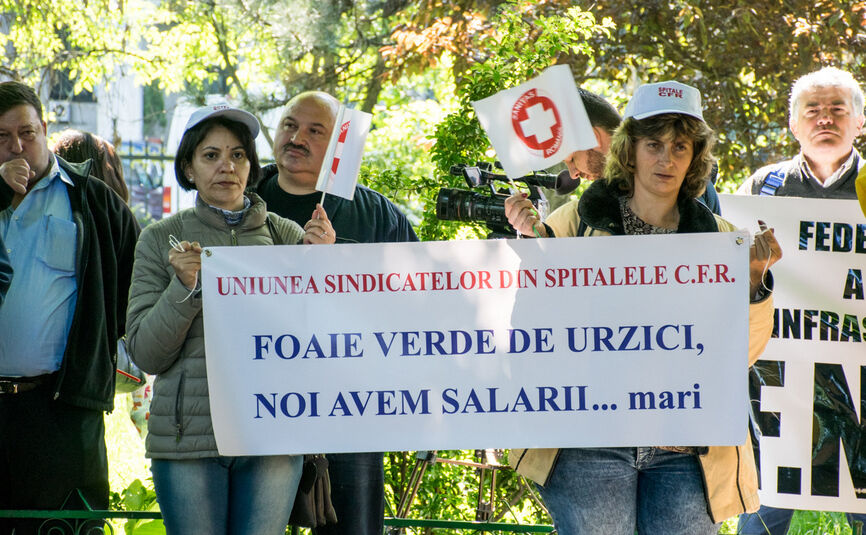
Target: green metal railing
<point x="88" y="521"/>
<point x="85" y="515"/>
<point x="467" y="525"/>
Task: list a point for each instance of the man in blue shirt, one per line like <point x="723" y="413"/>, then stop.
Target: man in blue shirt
<point x="70" y="240"/>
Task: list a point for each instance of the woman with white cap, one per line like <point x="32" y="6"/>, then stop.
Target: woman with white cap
<point x="659" y="162"/>
<point x="198" y="490"/>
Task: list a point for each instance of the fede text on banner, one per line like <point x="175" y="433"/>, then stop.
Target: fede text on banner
<point x="808" y="387"/>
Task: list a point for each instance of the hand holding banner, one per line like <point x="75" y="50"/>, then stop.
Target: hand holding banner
<point x="537" y="124"/>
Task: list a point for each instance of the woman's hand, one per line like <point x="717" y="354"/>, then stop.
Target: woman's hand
<point x="319" y="229"/>
<point x="523" y="216"/>
<point x="765" y="252"/>
<point x="185" y="258"/>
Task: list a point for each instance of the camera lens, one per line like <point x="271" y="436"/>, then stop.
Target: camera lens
<point x="460" y="205"/>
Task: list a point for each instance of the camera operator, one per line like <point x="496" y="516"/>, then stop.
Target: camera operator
<point x="582" y="164"/>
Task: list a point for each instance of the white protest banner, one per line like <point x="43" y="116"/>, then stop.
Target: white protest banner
<point x="536" y="125"/>
<point x="617" y="341"/>
<point x="345" y="151"/>
<point x="810" y="405"/>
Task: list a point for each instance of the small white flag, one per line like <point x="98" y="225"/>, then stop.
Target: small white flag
<point x="339" y="173"/>
<point x="536" y="125"/>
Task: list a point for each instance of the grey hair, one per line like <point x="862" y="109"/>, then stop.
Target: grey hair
<point x="826" y="77"/>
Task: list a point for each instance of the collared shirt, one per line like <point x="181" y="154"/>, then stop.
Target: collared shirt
<point x="837" y="174"/>
<point x="40" y="238"/>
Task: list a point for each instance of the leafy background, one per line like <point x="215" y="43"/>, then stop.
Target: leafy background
<point x="417" y="65"/>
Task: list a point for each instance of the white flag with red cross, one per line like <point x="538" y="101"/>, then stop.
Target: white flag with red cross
<point x="339" y="173"/>
<point x="536" y="125"/>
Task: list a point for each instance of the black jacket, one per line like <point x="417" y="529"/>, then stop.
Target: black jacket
<point x="107" y="232"/>
<point x="5" y="272"/>
<point x="598" y="208"/>
<point x="368" y="218"/>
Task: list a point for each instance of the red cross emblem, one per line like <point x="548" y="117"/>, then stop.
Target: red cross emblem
<point x="537" y="123"/>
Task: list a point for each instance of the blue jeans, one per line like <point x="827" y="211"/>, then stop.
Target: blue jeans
<point x="613" y="491"/>
<point x="775" y="521"/>
<point x="227" y="495"/>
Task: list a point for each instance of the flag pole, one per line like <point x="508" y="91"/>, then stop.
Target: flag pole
<point x="322" y="201"/>
<point x="514" y="188"/>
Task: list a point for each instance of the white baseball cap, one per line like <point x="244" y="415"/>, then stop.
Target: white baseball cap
<point x="664" y="97"/>
<point x="224" y="110"/>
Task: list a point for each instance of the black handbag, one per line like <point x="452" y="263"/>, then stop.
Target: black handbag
<point x="313" y="507"/>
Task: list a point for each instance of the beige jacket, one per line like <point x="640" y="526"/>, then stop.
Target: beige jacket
<point x="730" y="477"/>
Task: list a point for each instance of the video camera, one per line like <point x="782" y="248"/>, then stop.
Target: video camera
<point x="454" y="204"/>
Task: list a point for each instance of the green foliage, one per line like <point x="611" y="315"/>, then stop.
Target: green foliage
<point x="522" y="44"/>
<point x="138" y="497"/>
<point x="451" y="491"/>
<point x="743" y="57"/>
<point x="819" y="523"/>
<point x="89" y="40"/>
<point x="154" y="108"/>
<point x="260" y="53"/>
<point x="396" y="161"/>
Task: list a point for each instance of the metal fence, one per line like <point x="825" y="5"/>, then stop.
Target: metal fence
<point x="88" y="521"/>
<point x="144" y="165"/>
<point x="95" y="522"/>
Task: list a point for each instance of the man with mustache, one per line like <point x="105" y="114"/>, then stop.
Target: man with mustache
<point x="589" y="164"/>
<point x="289" y="189"/>
<point x="826" y="115"/>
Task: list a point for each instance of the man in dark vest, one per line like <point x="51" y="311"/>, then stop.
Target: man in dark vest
<point x="826" y="109"/>
<point x="826" y="115"/>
